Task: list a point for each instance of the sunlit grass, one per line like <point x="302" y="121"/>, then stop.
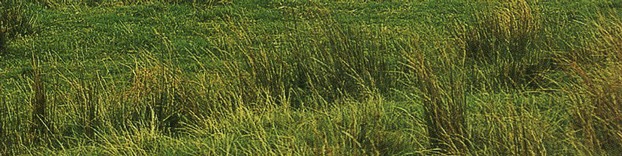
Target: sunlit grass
<point x="281" y="77"/>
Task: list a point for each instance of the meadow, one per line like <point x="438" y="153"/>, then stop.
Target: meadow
<point x="310" y="77"/>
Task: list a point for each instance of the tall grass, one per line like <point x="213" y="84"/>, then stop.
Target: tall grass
<point x="316" y="71"/>
<point x="4" y="143"/>
<point x="506" y="40"/>
<point x="326" y="62"/>
<point x="596" y="112"/>
<point x="444" y="98"/>
<point x="41" y="126"/>
<point x="3" y="41"/>
<point x="248" y="82"/>
<point x="513" y="124"/>
<point x="14" y="22"/>
<point x="597" y="106"/>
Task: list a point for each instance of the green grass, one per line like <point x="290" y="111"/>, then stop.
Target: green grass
<point x="289" y="77"/>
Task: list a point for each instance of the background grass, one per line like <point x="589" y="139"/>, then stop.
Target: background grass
<point x="282" y="77"/>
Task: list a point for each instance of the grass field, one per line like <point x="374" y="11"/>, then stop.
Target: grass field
<point x="316" y="77"/>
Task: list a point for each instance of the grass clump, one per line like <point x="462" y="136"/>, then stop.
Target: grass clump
<point x="41" y="126"/>
<point x="444" y="98"/>
<point x="505" y="43"/>
<point x="324" y="63"/>
<point x="600" y="45"/>
<point x="14" y="22"/>
<point x="597" y="110"/>
<point x="597" y="106"/>
<point x="513" y="125"/>
<point x="157" y="89"/>
<point x="505" y="30"/>
<point x="609" y="40"/>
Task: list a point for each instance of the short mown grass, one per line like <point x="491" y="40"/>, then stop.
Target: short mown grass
<point x="282" y="77"/>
